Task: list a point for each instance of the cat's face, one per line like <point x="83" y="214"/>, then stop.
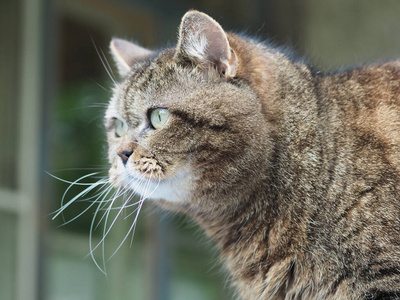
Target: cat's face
<point x="177" y="130"/>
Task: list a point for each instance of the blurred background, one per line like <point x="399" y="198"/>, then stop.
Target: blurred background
<point x="53" y="91"/>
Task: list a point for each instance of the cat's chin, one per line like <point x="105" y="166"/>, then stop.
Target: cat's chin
<point x="174" y="190"/>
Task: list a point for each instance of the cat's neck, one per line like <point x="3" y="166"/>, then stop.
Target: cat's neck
<point x="255" y="237"/>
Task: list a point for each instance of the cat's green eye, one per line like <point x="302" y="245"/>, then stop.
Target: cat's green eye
<point x="158" y="117"/>
<point x="120" y="128"/>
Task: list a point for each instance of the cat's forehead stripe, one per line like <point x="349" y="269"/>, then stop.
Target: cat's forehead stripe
<point x="197" y="121"/>
<point x="133" y="88"/>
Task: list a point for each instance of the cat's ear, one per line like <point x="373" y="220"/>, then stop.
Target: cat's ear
<point x="126" y="53"/>
<point x="203" y="41"/>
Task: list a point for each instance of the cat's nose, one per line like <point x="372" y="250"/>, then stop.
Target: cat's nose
<point x="124" y="154"/>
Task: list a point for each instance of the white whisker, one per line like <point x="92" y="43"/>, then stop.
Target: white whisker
<point x="106" y="215"/>
<point x="102" y="193"/>
<point x="83" y="193"/>
<point x="108" y="64"/>
<point x="97" y="196"/>
<point x="109" y="72"/>
<point x="137" y="210"/>
<point x="116" y="195"/>
<point x="91" y="249"/>
<point x="102" y="87"/>
<point x="76" y="182"/>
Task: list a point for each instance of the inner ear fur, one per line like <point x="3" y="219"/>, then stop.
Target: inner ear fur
<point x="126" y="53"/>
<point x="203" y="41"/>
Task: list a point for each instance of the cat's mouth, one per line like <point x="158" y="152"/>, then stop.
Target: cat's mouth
<point x="136" y="170"/>
<point x="125" y="177"/>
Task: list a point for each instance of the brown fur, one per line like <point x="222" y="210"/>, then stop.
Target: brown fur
<point x="294" y="174"/>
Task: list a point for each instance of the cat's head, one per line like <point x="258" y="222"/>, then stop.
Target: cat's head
<point x="183" y="124"/>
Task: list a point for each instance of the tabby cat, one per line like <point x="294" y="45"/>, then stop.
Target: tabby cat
<point x="293" y="173"/>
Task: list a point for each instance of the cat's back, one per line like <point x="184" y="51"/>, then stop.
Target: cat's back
<point x="366" y="101"/>
<point x="360" y="113"/>
<point x="379" y="117"/>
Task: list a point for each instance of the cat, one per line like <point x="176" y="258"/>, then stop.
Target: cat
<point x="294" y="174"/>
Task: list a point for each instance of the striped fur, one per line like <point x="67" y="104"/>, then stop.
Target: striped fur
<point x="294" y="174"/>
